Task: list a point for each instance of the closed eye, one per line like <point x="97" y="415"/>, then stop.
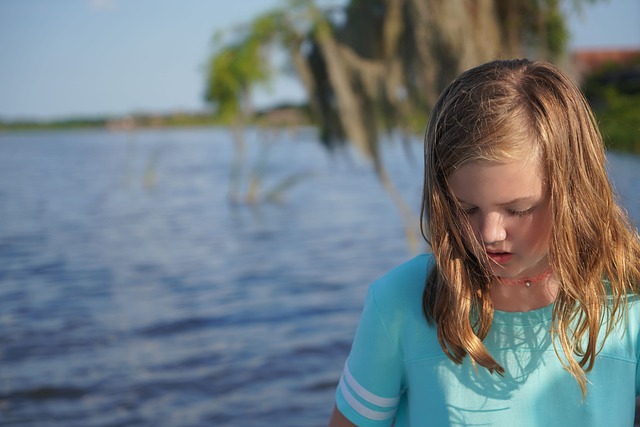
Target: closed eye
<point x="521" y="213"/>
<point x="512" y="212"/>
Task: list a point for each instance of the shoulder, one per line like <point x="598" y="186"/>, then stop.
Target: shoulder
<point x="633" y="313"/>
<point x="624" y="340"/>
<point x="401" y="287"/>
<point x="406" y="278"/>
<point x="630" y="305"/>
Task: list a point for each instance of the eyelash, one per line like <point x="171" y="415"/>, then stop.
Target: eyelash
<point x="470" y="211"/>
<point x="518" y="214"/>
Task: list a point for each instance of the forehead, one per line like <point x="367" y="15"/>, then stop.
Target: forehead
<point x="497" y="182"/>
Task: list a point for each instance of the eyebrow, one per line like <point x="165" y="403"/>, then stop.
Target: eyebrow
<point x="510" y="202"/>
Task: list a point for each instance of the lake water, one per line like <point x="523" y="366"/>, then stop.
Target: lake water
<point x="132" y="292"/>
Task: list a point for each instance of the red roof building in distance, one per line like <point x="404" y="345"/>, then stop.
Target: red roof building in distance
<point x="586" y="61"/>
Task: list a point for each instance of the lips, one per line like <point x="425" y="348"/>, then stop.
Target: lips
<point x="500" y="257"/>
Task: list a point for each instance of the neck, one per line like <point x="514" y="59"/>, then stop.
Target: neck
<point x="527" y="282"/>
<point x="515" y="295"/>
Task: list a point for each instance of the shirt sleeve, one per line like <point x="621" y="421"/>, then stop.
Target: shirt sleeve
<point x="370" y="386"/>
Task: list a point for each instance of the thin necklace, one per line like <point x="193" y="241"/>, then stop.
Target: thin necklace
<point x="529" y="281"/>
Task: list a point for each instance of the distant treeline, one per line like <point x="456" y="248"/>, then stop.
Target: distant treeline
<point x="53" y="124"/>
<point x="277" y="116"/>
<point x="115" y="123"/>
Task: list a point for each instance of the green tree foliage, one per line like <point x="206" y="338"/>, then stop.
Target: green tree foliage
<point x="239" y="65"/>
<point x="378" y="62"/>
<point x="614" y="93"/>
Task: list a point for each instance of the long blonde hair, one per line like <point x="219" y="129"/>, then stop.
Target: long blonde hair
<point x="499" y="111"/>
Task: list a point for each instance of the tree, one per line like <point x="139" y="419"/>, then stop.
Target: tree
<point x="235" y="68"/>
<point x="380" y="64"/>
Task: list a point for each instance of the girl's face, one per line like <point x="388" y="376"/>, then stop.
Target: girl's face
<point x="508" y="209"/>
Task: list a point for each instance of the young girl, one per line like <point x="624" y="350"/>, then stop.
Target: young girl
<point x="527" y="312"/>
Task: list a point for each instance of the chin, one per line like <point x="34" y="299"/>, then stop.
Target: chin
<point x="510" y="271"/>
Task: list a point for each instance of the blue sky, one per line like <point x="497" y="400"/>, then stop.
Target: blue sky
<point x="93" y="57"/>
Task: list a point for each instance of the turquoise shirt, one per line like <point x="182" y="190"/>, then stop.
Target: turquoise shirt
<point x="397" y="371"/>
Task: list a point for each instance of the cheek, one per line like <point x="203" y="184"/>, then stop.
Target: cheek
<point x="538" y="234"/>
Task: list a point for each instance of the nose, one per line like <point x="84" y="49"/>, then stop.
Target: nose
<point x="491" y="228"/>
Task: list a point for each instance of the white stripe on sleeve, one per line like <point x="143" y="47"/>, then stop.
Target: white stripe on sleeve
<point x="385" y="402"/>
<point x="360" y="408"/>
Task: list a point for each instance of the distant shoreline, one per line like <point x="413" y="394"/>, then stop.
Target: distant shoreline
<point x="279" y="116"/>
<point x="123" y="123"/>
